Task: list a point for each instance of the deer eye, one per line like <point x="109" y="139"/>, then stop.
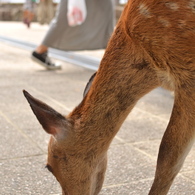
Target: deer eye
<point x="49" y="168"/>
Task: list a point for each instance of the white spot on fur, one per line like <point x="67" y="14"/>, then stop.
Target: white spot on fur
<point x="143" y="9"/>
<point x="172" y="5"/>
<point x="192" y="5"/>
<point x="166" y="80"/>
<point x="164" y="22"/>
<point x="182" y="23"/>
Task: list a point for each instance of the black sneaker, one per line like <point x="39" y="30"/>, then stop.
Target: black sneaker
<point x="44" y="60"/>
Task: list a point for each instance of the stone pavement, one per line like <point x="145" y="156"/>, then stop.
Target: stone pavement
<point x="23" y="143"/>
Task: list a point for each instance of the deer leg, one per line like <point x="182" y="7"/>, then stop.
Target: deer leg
<point x="176" y="143"/>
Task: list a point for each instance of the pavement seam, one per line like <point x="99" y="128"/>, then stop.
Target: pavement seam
<point x="21" y="157"/>
<point x="20" y="131"/>
<point x="139" y="150"/>
<point x="49" y="98"/>
<point x="120" y="139"/>
<point x="150" y="114"/>
<point x="134" y="182"/>
<point x="186" y="177"/>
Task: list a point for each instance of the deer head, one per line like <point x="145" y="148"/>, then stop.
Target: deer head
<point x="71" y="159"/>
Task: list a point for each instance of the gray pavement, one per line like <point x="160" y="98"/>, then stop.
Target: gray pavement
<point x="23" y="143"/>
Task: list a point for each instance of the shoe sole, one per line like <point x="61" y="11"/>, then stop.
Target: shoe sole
<point x="45" y="66"/>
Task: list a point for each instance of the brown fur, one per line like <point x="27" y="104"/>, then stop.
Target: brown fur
<point x="153" y="45"/>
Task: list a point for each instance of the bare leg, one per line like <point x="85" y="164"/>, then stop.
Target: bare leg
<point x="28" y="17"/>
<point x="41" y="49"/>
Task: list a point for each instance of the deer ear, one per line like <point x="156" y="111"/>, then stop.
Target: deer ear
<point x="89" y="84"/>
<point x="52" y="121"/>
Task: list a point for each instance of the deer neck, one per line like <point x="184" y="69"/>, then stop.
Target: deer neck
<point x="109" y="100"/>
<point x="115" y="88"/>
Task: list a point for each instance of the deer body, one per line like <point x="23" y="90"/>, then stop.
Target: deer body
<point x="153" y="45"/>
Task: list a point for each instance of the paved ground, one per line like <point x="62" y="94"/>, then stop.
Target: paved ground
<point x="23" y="143"/>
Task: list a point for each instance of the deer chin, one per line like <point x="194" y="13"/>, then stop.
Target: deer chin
<point x="64" y="192"/>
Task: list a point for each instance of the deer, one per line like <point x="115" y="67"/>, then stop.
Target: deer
<point x="153" y="45"/>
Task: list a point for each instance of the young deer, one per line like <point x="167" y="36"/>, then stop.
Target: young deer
<point x="153" y="45"/>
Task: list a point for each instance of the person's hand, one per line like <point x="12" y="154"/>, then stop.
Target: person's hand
<point x="75" y="17"/>
<point x="76" y="12"/>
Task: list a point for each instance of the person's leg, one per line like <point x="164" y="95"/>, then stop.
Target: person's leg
<point x="41" y="57"/>
<point x="30" y="16"/>
<point x="40" y="54"/>
<point x="26" y="18"/>
<point x="41" y="49"/>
